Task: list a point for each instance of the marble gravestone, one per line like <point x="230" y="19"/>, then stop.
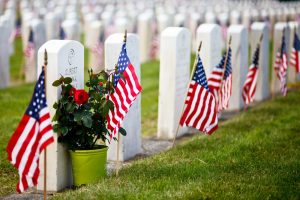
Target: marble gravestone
<point x="210" y="35"/>
<point x="278" y="31"/>
<point x="96" y="47"/>
<point x="145" y="34"/>
<point x="72" y="29"/>
<point x="4" y="55"/>
<point x="52" y="26"/>
<point x="263" y="85"/>
<point x="39" y="37"/>
<point x="294" y="26"/>
<point x="173" y="78"/>
<point x="239" y="64"/>
<point x="130" y="145"/>
<point x="65" y="58"/>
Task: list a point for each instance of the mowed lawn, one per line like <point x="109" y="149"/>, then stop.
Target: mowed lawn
<point x="255" y="155"/>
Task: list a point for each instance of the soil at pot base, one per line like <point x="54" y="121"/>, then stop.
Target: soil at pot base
<point x="88" y="165"/>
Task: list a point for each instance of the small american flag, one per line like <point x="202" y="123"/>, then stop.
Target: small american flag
<point x="226" y="89"/>
<point x="31" y="137"/>
<point x="125" y="93"/>
<point x="29" y="50"/>
<point x="17" y="32"/>
<point x="62" y="33"/>
<point x="154" y="48"/>
<point x="251" y="80"/>
<point x="295" y="54"/>
<point x="97" y="49"/>
<point x="280" y="66"/>
<point x="201" y="108"/>
<point x="219" y="79"/>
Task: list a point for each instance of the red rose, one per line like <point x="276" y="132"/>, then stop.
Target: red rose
<point x="72" y="91"/>
<point x="100" y="84"/>
<point x="81" y="97"/>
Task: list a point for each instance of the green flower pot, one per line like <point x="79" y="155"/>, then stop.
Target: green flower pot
<point x="88" y="165"/>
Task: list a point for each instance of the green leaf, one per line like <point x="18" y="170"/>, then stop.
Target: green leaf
<point x="122" y="131"/>
<point x="87" y="121"/>
<point x="55" y="105"/>
<point x="67" y="80"/>
<point x="56" y="83"/>
<point x="64" y="130"/>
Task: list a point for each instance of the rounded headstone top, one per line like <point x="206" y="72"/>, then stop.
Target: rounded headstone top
<point x="174" y="31"/>
<point x="236" y="28"/>
<point x="54" y="46"/>
<point x="208" y="27"/>
<point x="258" y="25"/>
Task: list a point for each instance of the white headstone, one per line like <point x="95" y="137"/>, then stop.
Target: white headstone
<point x="294" y="26"/>
<point x="194" y="22"/>
<point x="123" y="24"/>
<point x="65" y="58"/>
<point x="163" y="21"/>
<point x="239" y="46"/>
<point x="278" y="31"/>
<point x="130" y="145"/>
<point x="263" y="85"/>
<point x="52" y="26"/>
<point x="72" y="29"/>
<point x="210" y="35"/>
<point x="145" y="35"/>
<point x="96" y="47"/>
<point x="180" y="20"/>
<point x="4" y="55"/>
<point x="235" y="17"/>
<point x="173" y="78"/>
<point x="210" y="17"/>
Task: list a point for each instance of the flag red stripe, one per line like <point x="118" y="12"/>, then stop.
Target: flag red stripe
<point x="15" y="137"/>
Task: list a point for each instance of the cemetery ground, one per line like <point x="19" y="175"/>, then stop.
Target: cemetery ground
<point x="254" y="155"/>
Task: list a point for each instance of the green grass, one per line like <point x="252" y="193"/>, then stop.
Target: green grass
<point x="253" y="156"/>
<point x="14" y="102"/>
<point x="17" y="63"/>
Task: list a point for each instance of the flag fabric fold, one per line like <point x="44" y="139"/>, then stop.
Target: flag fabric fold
<point x="280" y="66"/>
<point x="31" y="137"/>
<point x="249" y="87"/>
<point x="200" y="106"/>
<point x="295" y="54"/>
<point x="126" y="91"/>
<point x="220" y="81"/>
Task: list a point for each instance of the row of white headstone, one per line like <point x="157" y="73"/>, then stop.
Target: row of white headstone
<point x="46" y="18"/>
<point x="67" y="57"/>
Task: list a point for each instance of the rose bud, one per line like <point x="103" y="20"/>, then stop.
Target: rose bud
<point x="81" y="97"/>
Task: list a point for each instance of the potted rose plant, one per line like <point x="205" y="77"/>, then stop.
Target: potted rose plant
<point x="80" y="121"/>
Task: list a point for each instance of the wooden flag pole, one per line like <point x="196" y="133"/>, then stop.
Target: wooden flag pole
<point x="118" y="145"/>
<point x="193" y="71"/>
<point x="45" y="150"/>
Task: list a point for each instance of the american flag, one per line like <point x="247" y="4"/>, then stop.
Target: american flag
<point x="226" y="89"/>
<point x="17" y="32"/>
<point x="220" y="78"/>
<point x="98" y="48"/>
<point x="154" y="48"/>
<point x="62" y="33"/>
<point x="31" y="137"/>
<point x="125" y="93"/>
<point x="280" y="66"/>
<point x="201" y="108"/>
<point x="29" y="50"/>
<point x="251" y="80"/>
<point x="295" y="54"/>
